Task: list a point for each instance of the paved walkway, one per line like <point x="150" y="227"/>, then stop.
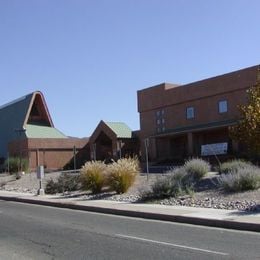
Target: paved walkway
<point x="233" y="219"/>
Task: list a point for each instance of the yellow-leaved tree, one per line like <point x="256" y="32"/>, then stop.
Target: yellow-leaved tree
<point x="248" y="128"/>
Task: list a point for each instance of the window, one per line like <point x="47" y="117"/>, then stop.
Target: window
<point x="222" y="106"/>
<point x="160" y="121"/>
<point x="190" y="112"/>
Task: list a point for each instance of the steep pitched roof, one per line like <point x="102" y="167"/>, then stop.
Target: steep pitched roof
<point x="120" y="129"/>
<point x="114" y="130"/>
<point x="29" y="112"/>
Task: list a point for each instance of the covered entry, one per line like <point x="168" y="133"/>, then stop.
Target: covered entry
<point x="112" y="140"/>
<point x="179" y="145"/>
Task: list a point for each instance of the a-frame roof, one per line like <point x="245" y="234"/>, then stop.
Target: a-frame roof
<point x="29" y="113"/>
<point x="114" y="130"/>
<point x="120" y="129"/>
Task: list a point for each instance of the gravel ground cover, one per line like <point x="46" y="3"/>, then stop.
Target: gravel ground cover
<point x="208" y="195"/>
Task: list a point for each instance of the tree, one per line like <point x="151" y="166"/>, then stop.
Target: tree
<point x="248" y="128"/>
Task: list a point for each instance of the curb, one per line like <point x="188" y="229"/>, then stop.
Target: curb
<point x="227" y="224"/>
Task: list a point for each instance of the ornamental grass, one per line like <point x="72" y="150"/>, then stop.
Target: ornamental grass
<point x="93" y="176"/>
<point x="122" y="174"/>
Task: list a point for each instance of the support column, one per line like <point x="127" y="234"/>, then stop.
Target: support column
<point x="234" y="146"/>
<point x="190" y="144"/>
<point x="114" y="149"/>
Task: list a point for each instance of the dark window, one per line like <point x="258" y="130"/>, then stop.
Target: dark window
<point x="35" y="111"/>
<point x="190" y="112"/>
<point x="222" y="106"/>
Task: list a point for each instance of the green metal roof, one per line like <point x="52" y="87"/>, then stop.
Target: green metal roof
<point x="120" y="129"/>
<point x="37" y="131"/>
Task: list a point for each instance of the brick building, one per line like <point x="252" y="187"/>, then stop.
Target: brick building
<point x="27" y="130"/>
<point x="193" y="119"/>
<point x="113" y="140"/>
<point x="177" y="121"/>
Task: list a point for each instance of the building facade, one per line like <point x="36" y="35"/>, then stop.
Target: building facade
<point x="27" y="131"/>
<point x="193" y="120"/>
<point x="113" y="140"/>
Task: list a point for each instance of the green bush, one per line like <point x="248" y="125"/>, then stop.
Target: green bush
<point x="233" y="166"/>
<point x="198" y="168"/>
<point x="65" y="182"/>
<point x="14" y="164"/>
<point x="122" y="174"/>
<point x="93" y="176"/>
<point x="241" y="179"/>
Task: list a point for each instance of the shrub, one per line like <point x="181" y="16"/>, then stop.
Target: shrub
<point x="93" y="176"/>
<point x="198" y="168"/>
<point x="242" y="179"/>
<point x="65" y="182"/>
<point x="233" y="166"/>
<point x="162" y="188"/>
<point x="14" y="164"/>
<point x="122" y="174"/>
<point x="178" y="183"/>
<point x="52" y="187"/>
<point x="68" y="182"/>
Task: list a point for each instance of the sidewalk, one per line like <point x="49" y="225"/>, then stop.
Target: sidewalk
<point x="232" y="219"/>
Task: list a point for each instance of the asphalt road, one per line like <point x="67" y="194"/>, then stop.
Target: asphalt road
<point x="39" y="232"/>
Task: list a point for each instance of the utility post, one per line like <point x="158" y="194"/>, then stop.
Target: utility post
<point x="146" y="144"/>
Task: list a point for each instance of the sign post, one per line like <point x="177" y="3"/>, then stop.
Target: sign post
<point x="40" y="176"/>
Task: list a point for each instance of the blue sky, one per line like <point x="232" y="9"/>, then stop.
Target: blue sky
<point x="89" y="57"/>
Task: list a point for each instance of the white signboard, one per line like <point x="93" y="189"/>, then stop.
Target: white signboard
<point x="214" y="149"/>
<point x="40" y="172"/>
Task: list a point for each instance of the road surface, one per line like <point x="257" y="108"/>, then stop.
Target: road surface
<point x="40" y="232"/>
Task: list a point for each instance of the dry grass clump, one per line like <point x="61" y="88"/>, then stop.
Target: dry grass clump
<point x="122" y="174"/>
<point x="93" y="176"/>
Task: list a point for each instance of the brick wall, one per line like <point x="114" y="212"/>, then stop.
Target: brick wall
<point x="52" y="153"/>
<point x="171" y="102"/>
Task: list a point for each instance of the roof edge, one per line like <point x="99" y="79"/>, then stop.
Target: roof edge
<point x="34" y="94"/>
